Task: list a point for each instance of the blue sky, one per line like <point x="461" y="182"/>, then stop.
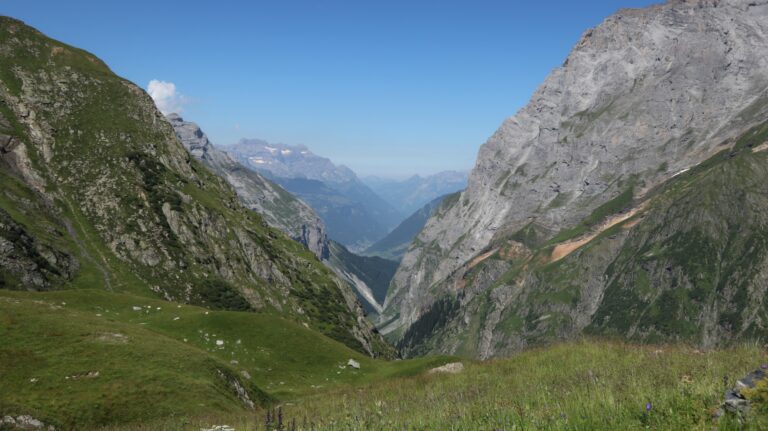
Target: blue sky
<point x="389" y="88"/>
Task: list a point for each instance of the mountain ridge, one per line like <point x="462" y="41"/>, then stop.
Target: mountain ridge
<point x="354" y="215"/>
<point x="643" y="96"/>
<point x="292" y="216"/>
<point x="99" y="193"/>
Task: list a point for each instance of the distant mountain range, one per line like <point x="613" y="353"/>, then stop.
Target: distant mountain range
<point x="369" y="277"/>
<point x="353" y="213"/>
<point x="410" y="195"/>
<point x="290" y="161"/>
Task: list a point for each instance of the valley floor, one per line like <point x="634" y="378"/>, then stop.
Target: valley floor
<point x="585" y="385"/>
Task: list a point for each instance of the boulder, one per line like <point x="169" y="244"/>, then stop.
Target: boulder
<point x="452" y="368"/>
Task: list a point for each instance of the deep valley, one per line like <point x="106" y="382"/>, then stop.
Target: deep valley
<point x="603" y="265"/>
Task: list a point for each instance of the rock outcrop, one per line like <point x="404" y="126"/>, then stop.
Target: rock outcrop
<point x="642" y="98"/>
<point x="736" y="399"/>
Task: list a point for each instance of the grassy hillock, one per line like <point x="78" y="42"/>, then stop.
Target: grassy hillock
<point x="76" y="369"/>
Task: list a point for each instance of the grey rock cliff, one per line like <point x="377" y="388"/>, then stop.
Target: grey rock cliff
<point x="645" y="95"/>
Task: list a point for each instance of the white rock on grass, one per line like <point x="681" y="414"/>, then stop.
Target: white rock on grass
<point x="24" y="422"/>
<point x="354" y="364"/>
<point x="452" y="368"/>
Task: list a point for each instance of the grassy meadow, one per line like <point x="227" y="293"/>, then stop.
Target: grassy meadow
<point x="80" y="359"/>
<point x="584" y="385"/>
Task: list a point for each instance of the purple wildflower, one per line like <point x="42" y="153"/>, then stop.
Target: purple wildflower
<point x="764" y="366"/>
<point x="648" y="407"/>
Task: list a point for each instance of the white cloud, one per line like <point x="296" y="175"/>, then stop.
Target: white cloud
<point x="167" y="99"/>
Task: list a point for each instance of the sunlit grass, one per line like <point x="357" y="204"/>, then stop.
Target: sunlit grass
<point x="586" y="385"/>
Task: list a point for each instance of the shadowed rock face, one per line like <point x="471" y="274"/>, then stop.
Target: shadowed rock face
<point x="643" y="96"/>
<point x="279" y="208"/>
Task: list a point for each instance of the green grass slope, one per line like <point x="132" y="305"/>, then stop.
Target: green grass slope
<point x="157" y="359"/>
<point x="75" y="370"/>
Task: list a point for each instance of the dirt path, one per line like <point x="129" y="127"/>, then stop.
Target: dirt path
<point x="759" y="148"/>
<point x="481" y="258"/>
<point x="564" y="249"/>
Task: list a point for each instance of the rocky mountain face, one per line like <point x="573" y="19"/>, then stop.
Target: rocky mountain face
<point x="625" y="198"/>
<point x="278" y="207"/>
<point x="396" y="243"/>
<point x="354" y="214"/>
<point x="99" y="193"/>
<point x="411" y="195"/>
